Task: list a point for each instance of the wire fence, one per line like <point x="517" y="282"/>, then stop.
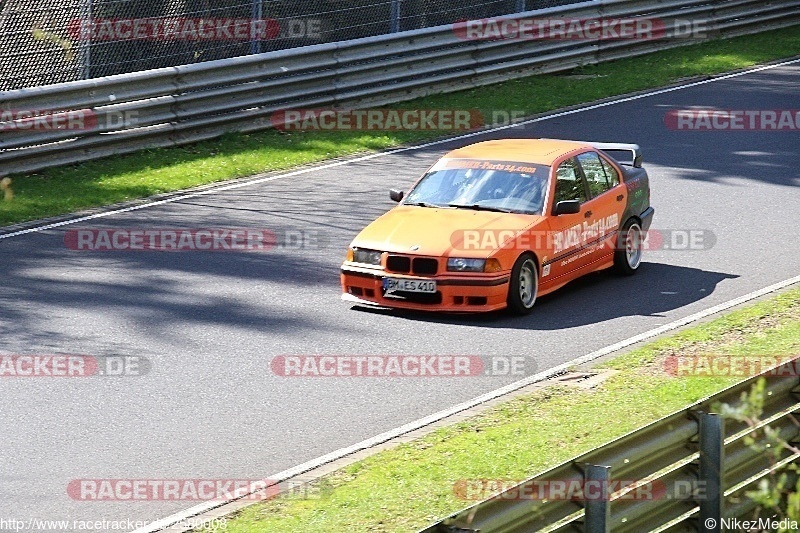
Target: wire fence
<point x="51" y="41"/>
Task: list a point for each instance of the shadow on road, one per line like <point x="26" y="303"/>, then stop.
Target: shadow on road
<point x="655" y="290"/>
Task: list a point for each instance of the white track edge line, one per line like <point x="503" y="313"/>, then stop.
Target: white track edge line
<point x="391" y="152"/>
<point x="159" y="525"/>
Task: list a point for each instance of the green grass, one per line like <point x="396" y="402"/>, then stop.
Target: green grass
<point x="410" y="486"/>
<point x="112" y="180"/>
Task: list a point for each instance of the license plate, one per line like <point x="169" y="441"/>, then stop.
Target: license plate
<point x="408" y="285"/>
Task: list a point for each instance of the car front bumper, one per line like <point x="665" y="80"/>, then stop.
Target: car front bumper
<point x="454" y="293"/>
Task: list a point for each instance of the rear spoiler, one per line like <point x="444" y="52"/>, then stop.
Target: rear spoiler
<point x="622" y="147"/>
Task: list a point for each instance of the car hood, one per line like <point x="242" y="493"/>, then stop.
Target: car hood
<point x="438" y="232"/>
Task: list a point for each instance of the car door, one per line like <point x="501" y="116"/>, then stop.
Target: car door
<point x="564" y="231"/>
<point x="603" y="209"/>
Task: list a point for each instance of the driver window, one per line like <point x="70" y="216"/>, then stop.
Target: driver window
<point x="569" y="185"/>
<point x="429" y="190"/>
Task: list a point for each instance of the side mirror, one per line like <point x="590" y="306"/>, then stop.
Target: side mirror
<point x="567" y="207"/>
<point x="396" y="195"/>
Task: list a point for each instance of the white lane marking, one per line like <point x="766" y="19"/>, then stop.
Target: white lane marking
<point x="422" y="422"/>
<point x="389" y="152"/>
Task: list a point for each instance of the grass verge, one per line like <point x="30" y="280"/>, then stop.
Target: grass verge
<point x="410" y="486"/>
<point x="107" y="181"/>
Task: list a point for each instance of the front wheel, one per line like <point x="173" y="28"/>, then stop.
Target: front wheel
<point x="628" y="255"/>
<point x="523" y="286"/>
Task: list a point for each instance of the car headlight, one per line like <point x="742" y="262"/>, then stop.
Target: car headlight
<point x="461" y="264"/>
<point x="368" y="257"/>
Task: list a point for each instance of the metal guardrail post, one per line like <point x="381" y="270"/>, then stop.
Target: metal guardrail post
<point x="256" y="14"/>
<point x="395" y="16"/>
<point x="712" y="443"/>
<point x="85" y="39"/>
<point x="596" y="518"/>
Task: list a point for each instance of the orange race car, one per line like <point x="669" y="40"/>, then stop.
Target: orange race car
<point x="498" y="223"/>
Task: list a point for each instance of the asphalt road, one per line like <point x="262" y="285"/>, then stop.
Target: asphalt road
<point x="209" y="323"/>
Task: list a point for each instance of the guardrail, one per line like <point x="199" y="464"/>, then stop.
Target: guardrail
<point x="691" y="448"/>
<point x="179" y="105"/>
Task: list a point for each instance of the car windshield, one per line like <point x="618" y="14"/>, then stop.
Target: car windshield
<point x="482" y="185"/>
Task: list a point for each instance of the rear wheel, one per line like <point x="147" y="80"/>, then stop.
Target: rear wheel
<point x="523" y="286"/>
<point x="628" y="255"/>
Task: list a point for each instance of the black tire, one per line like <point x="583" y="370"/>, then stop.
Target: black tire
<point x="523" y="285"/>
<point x="628" y="255"/>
